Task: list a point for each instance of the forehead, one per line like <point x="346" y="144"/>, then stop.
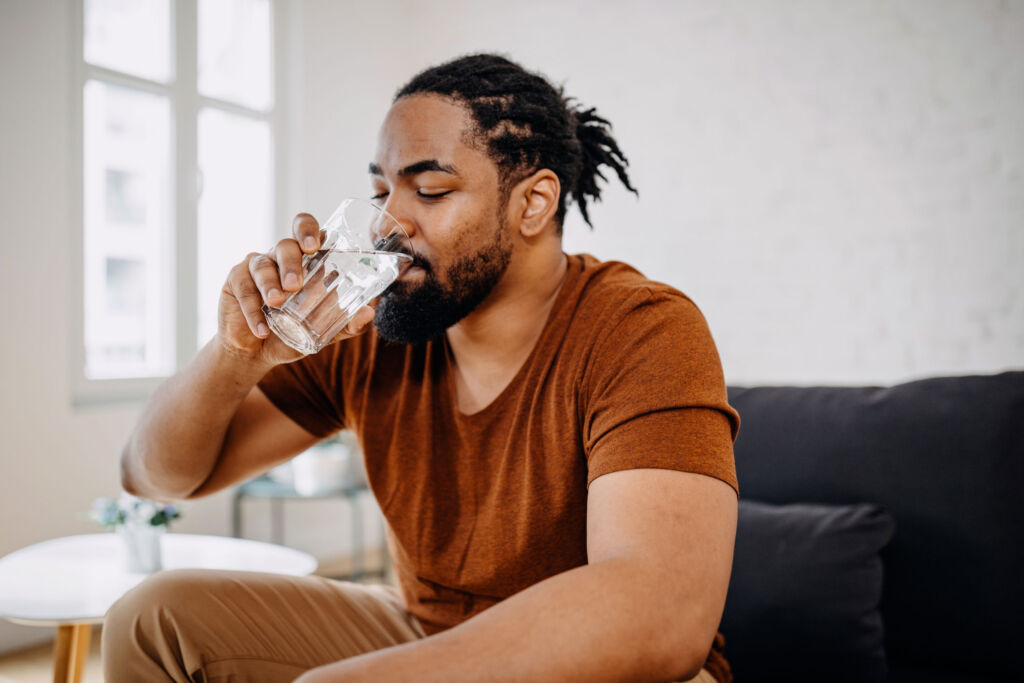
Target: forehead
<point x="420" y="127"/>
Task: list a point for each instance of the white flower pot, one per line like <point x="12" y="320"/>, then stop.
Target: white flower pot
<point x="141" y="545"/>
<point x="320" y="469"/>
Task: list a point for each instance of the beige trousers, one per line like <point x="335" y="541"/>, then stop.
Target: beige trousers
<point x="209" y="626"/>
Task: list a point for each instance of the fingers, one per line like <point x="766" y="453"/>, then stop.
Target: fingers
<point x="287" y="275"/>
<point x="289" y="264"/>
<point x="306" y="232"/>
<point x="270" y="278"/>
<point x="250" y="301"/>
<point x="265" y="275"/>
<point x="359" y="322"/>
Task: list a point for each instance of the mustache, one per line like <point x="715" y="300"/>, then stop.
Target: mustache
<point x="417" y="258"/>
<point x="397" y="243"/>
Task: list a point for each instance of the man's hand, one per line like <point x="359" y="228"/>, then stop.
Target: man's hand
<point x="209" y="427"/>
<point x="271" y="278"/>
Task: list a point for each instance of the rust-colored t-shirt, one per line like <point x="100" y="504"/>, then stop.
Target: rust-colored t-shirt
<point x="624" y="375"/>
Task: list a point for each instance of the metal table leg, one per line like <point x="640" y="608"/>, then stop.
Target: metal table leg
<point x="357" y="537"/>
<point x="236" y="515"/>
<point x="277" y="521"/>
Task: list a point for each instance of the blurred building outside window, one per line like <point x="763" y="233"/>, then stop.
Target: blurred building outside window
<point x="178" y="177"/>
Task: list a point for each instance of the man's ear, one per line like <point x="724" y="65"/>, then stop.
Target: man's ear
<point x="538" y="205"/>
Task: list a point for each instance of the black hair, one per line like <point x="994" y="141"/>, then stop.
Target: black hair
<point x="526" y="124"/>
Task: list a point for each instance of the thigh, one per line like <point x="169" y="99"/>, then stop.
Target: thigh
<point x="193" y="625"/>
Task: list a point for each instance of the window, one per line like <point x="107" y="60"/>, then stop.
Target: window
<point x="178" y="177"/>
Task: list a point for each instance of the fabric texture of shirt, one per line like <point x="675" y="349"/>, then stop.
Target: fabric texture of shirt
<point x="625" y="375"/>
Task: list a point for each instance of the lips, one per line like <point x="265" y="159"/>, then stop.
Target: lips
<point x="410" y="272"/>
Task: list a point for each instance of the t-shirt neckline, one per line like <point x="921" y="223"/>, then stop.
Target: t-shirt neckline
<point x="571" y="272"/>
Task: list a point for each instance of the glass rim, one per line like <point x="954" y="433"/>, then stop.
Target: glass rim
<point x="339" y="212"/>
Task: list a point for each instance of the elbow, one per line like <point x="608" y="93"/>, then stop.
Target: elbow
<point x="683" y="657"/>
<point x="134" y="483"/>
<point x="690" y="670"/>
<point x="679" y="663"/>
<point x="680" y="644"/>
<point x="127" y="482"/>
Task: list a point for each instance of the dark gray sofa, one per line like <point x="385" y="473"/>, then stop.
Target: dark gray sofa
<point x="881" y="532"/>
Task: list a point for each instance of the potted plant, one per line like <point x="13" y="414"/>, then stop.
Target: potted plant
<point x="140" y="523"/>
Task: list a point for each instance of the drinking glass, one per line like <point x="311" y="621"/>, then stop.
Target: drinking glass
<point x="364" y="250"/>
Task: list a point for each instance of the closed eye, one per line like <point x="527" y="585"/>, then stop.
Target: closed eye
<point x="424" y="195"/>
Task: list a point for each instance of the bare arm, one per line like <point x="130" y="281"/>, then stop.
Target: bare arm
<point x="209" y="426"/>
<point x="206" y="428"/>
<point x="645" y="608"/>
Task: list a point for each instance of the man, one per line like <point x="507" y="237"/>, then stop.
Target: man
<point x="547" y="435"/>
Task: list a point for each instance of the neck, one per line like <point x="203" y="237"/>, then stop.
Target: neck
<point x="497" y="337"/>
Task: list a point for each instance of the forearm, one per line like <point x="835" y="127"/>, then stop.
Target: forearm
<point x="599" y="622"/>
<point x="178" y="437"/>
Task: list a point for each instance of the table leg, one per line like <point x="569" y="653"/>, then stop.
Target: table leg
<point x="276" y="521"/>
<point x="358" y="545"/>
<point x="70" y="652"/>
<point x="236" y="515"/>
<point x="385" y="556"/>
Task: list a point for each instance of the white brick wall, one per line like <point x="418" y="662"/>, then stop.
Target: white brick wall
<point x="837" y="185"/>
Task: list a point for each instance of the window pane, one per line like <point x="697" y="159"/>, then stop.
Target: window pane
<point x="234" y="51"/>
<point x="236" y="204"/>
<point x="126" y="202"/>
<point x="128" y="244"/>
<point x="133" y="36"/>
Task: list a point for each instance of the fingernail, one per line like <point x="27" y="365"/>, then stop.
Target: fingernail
<point x="261" y="330"/>
<point x="273" y="294"/>
<point x="291" y="280"/>
<point x="309" y="244"/>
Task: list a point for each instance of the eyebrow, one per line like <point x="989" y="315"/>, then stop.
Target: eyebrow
<point x="418" y="167"/>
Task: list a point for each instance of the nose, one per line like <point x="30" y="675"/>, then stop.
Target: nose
<point x="393" y="207"/>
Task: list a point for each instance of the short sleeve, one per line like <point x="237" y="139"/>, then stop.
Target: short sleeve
<point x="309" y="391"/>
<point x="655" y="395"/>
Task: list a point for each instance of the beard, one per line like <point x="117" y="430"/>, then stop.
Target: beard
<point x="412" y="313"/>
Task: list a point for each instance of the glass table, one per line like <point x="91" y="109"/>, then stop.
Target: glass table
<point x="277" y="493"/>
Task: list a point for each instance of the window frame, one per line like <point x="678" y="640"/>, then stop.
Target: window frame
<point x="185" y="102"/>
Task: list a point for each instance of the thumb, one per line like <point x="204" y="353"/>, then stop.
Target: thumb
<point x="362" y="318"/>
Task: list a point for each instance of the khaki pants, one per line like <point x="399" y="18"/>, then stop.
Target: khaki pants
<point x="207" y="626"/>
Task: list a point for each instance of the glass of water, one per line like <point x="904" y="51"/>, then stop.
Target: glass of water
<point x="363" y="250"/>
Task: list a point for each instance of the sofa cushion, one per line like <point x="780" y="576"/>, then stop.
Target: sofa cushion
<point x="945" y="456"/>
<point x="804" y="594"/>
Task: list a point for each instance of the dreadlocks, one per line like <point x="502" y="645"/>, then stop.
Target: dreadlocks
<point x="524" y="123"/>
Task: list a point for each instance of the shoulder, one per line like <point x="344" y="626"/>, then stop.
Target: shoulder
<point x="613" y="294"/>
<point x="639" y="332"/>
<point x="651" y="353"/>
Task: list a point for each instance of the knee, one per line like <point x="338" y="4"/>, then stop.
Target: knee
<point x="164" y="590"/>
<point x="136" y="628"/>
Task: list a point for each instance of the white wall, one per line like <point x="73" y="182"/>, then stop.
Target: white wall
<point x="839" y="186"/>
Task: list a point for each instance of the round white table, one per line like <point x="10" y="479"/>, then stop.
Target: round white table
<point x="71" y="582"/>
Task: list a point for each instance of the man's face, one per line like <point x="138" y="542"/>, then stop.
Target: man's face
<point x="445" y="192"/>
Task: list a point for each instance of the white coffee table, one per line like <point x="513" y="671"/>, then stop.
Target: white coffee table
<point x="71" y="582"/>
